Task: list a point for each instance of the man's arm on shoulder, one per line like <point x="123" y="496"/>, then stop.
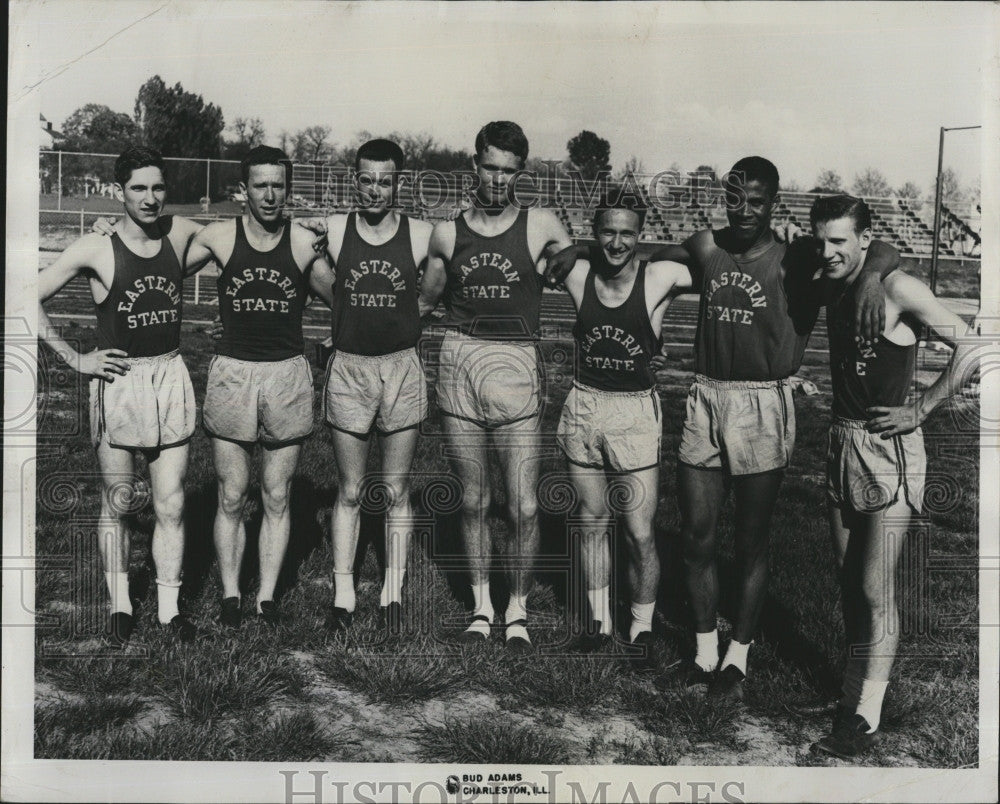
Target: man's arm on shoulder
<point x="207" y="246"/>
<point x="869" y="309"/>
<point x="439" y="250"/>
<point x="576" y="280"/>
<point x="915" y="300"/>
<point x="420" y="239"/>
<point x="321" y="278"/>
<point x="669" y="278"/>
<point x="336" y="227"/>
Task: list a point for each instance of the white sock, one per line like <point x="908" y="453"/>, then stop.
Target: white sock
<point x="483" y="606"/>
<point x="736" y="655"/>
<point x="392" y="586"/>
<point x="707" y="654"/>
<point x="852" y="687"/>
<point x="516" y="610"/>
<point x="343" y="591"/>
<point x="118" y="589"/>
<point x="870" y="705"/>
<point x="600" y="607"/>
<point x="642" y="619"/>
<point x="166" y="600"/>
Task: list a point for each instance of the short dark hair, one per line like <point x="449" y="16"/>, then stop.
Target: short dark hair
<point x="754" y="168"/>
<point x="134" y="158"/>
<point x="834" y="207"/>
<point x="617" y="199"/>
<point x="265" y="155"/>
<point x="504" y="136"/>
<point x="380" y="151"/>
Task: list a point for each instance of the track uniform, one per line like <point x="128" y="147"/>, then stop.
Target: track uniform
<point x="259" y="383"/>
<point x="611" y="418"/>
<point x="152" y="406"/>
<point x="740" y="414"/>
<point x="489" y="367"/>
<point x="374" y="375"/>
<point x="864" y="470"/>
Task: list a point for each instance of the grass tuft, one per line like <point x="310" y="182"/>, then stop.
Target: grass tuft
<point x="493" y="739"/>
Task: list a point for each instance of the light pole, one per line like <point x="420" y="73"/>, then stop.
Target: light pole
<point x="937" y="204"/>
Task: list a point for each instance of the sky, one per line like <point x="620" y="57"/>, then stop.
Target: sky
<point x="810" y="86"/>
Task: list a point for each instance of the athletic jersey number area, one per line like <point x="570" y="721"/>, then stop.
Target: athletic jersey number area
<point x="493" y="289"/>
<point x="141" y="315"/>
<point x="615" y="344"/>
<point x="745" y="331"/>
<point x="865" y="374"/>
<point x="261" y="296"/>
<point x="375" y="294"/>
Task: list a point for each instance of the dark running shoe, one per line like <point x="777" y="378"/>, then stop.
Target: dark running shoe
<point x="727" y="684"/>
<point x="593" y="641"/>
<point x="268" y="613"/>
<point x="518" y="644"/>
<point x="231" y="616"/>
<point x="690" y="674"/>
<point x="644" y="662"/>
<point x="849" y="738"/>
<point x="470" y="637"/>
<point x="392" y="618"/>
<point x="182" y="629"/>
<point x="339" y="620"/>
<point x="120" y="629"/>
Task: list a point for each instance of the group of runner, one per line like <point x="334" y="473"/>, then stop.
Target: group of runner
<point x="382" y="272"/>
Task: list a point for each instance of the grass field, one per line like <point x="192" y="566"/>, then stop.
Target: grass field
<point x="296" y="693"/>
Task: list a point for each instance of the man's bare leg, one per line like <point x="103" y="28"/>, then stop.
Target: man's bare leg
<point x="397" y="460"/>
<point x="277" y="468"/>
<point x="591" y="489"/>
<point x="351" y="454"/>
<point x="700" y="494"/>
<point x="232" y="468"/>
<point x="518" y="448"/>
<point x="472" y="470"/>
<point x="167" y="470"/>
<point x="643" y="563"/>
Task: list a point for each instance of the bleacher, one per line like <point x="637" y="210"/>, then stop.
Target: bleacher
<point x="676" y="210"/>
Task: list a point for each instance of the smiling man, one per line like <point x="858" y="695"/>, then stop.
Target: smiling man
<point x="875" y="461"/>
<point x="259" y="386"/>
<point x="756" y="313"/>
<point x="610" y="426"/>
<point x="141" y="399"/>
<point x="374" y="379"/>
<point x="488" y="262"/>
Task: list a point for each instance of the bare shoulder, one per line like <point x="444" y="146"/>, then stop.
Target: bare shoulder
<point x="442" y="240"/>
<point x="420" y="228"/>
<point x="218" y="231"/>
<point x="901" y="287"/>
<point x="544" y="219"/>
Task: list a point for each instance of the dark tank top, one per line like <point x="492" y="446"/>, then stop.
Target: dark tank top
<point x="615" y="344"/>
<point x="865" y="374"/>
<point x="493" y="289"/>
<point x="261" y="296"/>
<point x="744" y="330"/>
<point x="141" y="315"/>
<point x="375" y="294"/>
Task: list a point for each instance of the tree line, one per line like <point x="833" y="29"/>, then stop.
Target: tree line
<point x="179" y="123"/>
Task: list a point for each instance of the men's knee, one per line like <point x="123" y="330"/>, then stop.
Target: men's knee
<point x="276" y="498"/>
<point x="399" y="494"/>
<point x="476" y="502"/>
<point x="349" y="493"/>
<point x="232" y="498"/>
<point x="522" y="507"/>
<point x="169" y="506"/>
<point x="640" y="537"/>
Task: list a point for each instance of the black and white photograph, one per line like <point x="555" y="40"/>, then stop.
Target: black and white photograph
<point x="501" y="402"/>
